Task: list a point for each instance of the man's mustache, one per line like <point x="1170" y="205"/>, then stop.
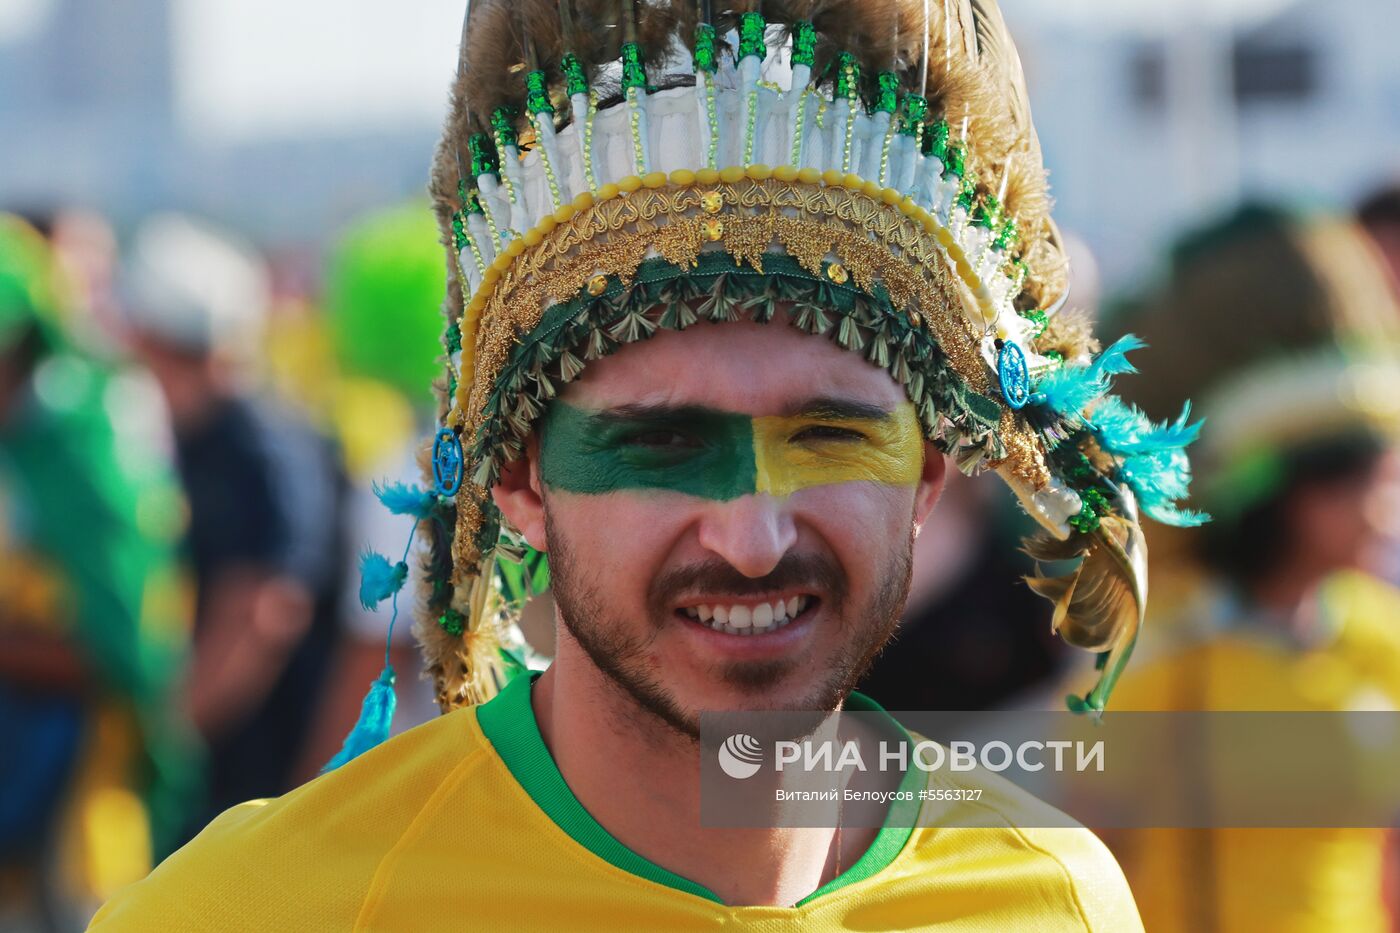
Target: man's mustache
<point x="815" y="572"/>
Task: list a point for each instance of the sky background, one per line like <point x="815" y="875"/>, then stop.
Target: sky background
<point x="242" y="65"/>
<point x="291" y="117"/>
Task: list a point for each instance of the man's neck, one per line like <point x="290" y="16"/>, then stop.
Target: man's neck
<point x="641" y="781"/>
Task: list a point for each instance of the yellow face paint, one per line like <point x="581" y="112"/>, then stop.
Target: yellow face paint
<point x="795" y="452"/>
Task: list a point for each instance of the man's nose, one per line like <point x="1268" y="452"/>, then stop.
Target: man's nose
<point x="751" y="532"/>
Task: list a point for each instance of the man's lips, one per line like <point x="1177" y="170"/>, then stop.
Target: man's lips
<point x="749" y="616"/>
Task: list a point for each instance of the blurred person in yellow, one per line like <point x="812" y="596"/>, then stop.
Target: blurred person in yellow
<point x="265" y="494"/>
<point x="1285" y="329"/>
<point x="99" y="767"/>
<point x="712" y="347"/>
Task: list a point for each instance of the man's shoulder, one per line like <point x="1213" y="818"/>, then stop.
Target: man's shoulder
<point x="307" y="859"/>
<point x="1018" y="850"/>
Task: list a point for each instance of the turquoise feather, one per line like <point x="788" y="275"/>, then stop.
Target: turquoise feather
<point x="1125" y="429"/>
<point x="1069" y="390"/>
<point x="1153" y="454"/>
<point x="379" y="579"/>
<point x="372" y="728"/>
<point x="1159" y="480"/>
<point x="404" y="499"/>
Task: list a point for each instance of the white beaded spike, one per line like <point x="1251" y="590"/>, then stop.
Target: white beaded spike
<point x="576" y="81"/>
<point x="634" y="81"/>
<point x="867" y="154"/>
<point x="518" y="213"/>
<point x="706" y="119"/>
<point x="637" y="118"/>
<point x="794" y="105"/>
<point x="928" y="172"/>
<point x="839" y="137"/>
<point x="471" y="265"/>
<point x="579" y="107"/>
<point x="768" y="148"/>
<point x="904" y="164"/>
<point x="874" y="131"/>
<point x="945" y="193"/>
<point x="549" y="159"/>
<point x="497" y="207"/>
<point x="706" y="63"/>
<point x="480" y="234"/>
<point x="813" y="135"/>
<point x="750" y="67"/>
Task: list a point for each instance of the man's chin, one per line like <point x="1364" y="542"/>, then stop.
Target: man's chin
<point x="763" y="687"/>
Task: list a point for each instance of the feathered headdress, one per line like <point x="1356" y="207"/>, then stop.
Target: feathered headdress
<point x="867" y="171"/>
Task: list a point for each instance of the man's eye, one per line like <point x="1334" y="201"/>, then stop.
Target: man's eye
<point x="828" y="432"/>
<point x="661" y="438"/>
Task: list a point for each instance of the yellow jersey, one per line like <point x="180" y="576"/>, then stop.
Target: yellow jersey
<point x="465" y="823"/>
<point x="1303" y="880"/>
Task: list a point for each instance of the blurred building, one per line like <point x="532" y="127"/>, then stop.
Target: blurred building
<point x="90" y="102"/>
<point x="1154" y="116"/>
<point x="88" y="118"/>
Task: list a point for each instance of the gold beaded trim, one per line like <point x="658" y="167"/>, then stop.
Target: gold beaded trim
<point x="977" y="293"/>
<point x="516" y="307"/>
<point x="881" y="231"/>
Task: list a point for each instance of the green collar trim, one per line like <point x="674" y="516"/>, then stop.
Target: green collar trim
<point x="508" y="720"/>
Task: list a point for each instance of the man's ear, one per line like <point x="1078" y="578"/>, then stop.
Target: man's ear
<point x="930" y="484"/>
<point x="518" y="495"/>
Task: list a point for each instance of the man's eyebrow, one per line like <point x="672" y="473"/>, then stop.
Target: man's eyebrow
<point x="643" y="411"/>
<point x="829" y="407"/>
<point x="820" y="407"/>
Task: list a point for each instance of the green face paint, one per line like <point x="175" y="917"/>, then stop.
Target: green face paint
<point x="723" y="455"/>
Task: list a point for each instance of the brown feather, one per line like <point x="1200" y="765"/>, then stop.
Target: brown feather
<point x="495" y="57"/>
<point x="541" y="27"/>
<point x="597" y="36"/>
<point x="1071" y="334"/>
<point x="664" y="26"/>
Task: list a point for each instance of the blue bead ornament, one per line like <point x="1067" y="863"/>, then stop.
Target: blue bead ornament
<point x="1014" y="375"/>
<point x="447" y="462"/>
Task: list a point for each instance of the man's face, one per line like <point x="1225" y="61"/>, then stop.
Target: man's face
<point x="729" y="513"/>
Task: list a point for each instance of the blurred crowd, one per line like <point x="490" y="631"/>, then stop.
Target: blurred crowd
<point x="190" y="433"/>
<point x="186" y="454"/>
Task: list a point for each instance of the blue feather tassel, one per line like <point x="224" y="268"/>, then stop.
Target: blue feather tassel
<point x="1154" y="458"/>
<point x="1071" y="389"/>
<point x="379" y="579"/>
<point x="1125" y="430"/>
<point x="404" y="499"/>
<point x="372" y="728"/>
<point x="1158" y="480"/>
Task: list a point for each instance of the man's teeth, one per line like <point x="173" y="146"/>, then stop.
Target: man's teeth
<point x="749" y="620"/>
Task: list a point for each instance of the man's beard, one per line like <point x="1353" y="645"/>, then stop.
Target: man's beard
<point x="621" y="654"/>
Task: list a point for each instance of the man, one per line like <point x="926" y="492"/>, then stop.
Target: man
<point x="728" y="502"/>
<point x="1282" y="614"/>
<point x="264" y="494"/>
